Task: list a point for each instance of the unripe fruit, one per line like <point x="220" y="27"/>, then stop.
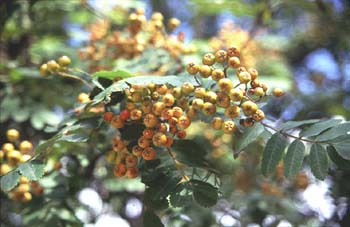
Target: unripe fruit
<point x="236" y="94"/>
<point x="125" y="115"/>
<point x="52" y="65"/>
<point x="192" y="68"/>
<point x="119" y="170"/>
<point x="137" y="150"/>
<point x="244" y="77"/>
<point x="159" y="139"/>
<point x="208" y="59"/>
<point x="232" y="51"/>
<point x="278" y="92"/>
<point x="234" y="62"/>
<point x="135" y="114"/>
<point x="177" y="93"/>
<point x="221" y="56"/>
<point x="83" y="97"/>
<point x="150" y="121"/>
<point x="157" y="108"/>
<point x="199" y="92"/>
<point x="249" y="108"/>
<point x="232" y="111"/>
<point x="209" y="108"/>
<point x="107" y="116"/>
<point x="217" y="74"/>
<point x="131" y="161"/>
<point x="117" y="122"/>
<point x="44" y="70"/>
<point x="132" y="172"/>
<point x="4" y="169"/>
<point x="222" y="100"/>
<point x="184" y="122"/>
<point x="197" y="104"/>
<point x="210" y="96"/>
<point x="259" y="115"/>
<point x="168" y="100"/>
<point x="181" y="134"/>
<point x="259" y="91"/>
<point x="149" y="153"/>
<point x="254" y="73"/>
<point x="7" y="147"/>
<point x="143" y="142"/>
<point x="217" y="122"/>
<point x="64" y="61"/>
<point x="205" y="71"/>
<point x="225" y="85"/>
<point x="25" y="146"/>
<point x="27" y="197"/>
<point x="173" y="23"/>
<point x="177" y="111"/>
<point x="229" y="127"/>
<point x="187" y="88"/>
<point x="12" y="135"/>
<point x="14" y="157"/>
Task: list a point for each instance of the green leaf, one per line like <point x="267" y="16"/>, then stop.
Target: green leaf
<point x="249" y="136"/>
<point x="177" y="200"/>
<point x="335" y="132"/>
<point x="317" y="128"/>
<point x="33" y="170"/>
<point x="337" y="159"/>
<point x="294" y="124"/>
<point x="294" y="158"/>
<point x="73" y="138"/>
<point x="342" y="145"/>
<point x="190" y="153"/>
<point x="10" y="180"/>
<point x="150" y="219"/>
<point x="273" y="153"/>
<point x="204" y="193"/>
<point x="112" y="74"/>
<point x="319" y="161"/>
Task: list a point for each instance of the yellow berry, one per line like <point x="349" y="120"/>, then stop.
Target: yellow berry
<point x="225" y="84"/>
<point x="217" y="74"/>
<point x="221" y="56"/>
<point x="249" y="108"/>
<point x="25" y="146"/>
<point x="232" y="111"/>
<point x="12" y="135"/>
<point x="217" y="122"/>
<point x="208" y="59"/>
<point x="205" y="71"/>
<point x="278" y="92"/>
<point x="229" y="127"/>
<point x="64" y="61"/>
<point x="259" y="115"/>
<point x="192" y="68"/>
<point x="44" y="70"/>
<point x="236" y="94"/>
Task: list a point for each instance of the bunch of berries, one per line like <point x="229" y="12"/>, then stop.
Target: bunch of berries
<point x="52" y="66"/>
<point x="13" y="153"/>
<point x="130" y="42"/>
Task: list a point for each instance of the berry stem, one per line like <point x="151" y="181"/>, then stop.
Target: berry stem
<point x="290" y="135"/>
<point x="73" y="77"/>
<point x="198" y="82"/>
<point x="182" y="172"/>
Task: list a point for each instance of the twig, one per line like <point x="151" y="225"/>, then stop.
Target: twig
<point x="73" y="77"/>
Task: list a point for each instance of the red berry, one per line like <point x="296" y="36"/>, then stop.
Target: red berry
<point x="125" y="115"/>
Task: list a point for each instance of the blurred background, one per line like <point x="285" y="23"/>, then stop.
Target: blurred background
<point x="302" y="46"/>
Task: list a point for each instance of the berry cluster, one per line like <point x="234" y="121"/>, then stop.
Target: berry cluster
<point x="52" y="66"/>
<point x="167" y="111"/>
<point x="130" y="42"/>
<point x="11" y="157"/>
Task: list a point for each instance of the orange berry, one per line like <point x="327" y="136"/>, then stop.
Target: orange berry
<point x="157" y="108"/>
<point x="135" y="114"/>
<point x="119" y="170"/>
<point x="255" y="83"/>
<point x="14" y="157"/>
<point x="137" y="150"/>
<point x="168" y="100"/>
<point x="117" y="121"/>
<point x="149" y="153"/>
<point x="184" y="122"/>
<point x="232" y="51"/>
<point x="208" y="59"/>
<point x="159" y="139"/>
<point x="107" y="116"/>
<point x="162" y="127"/>
<point x="187" y="88"/>
<point x="162" y="89"/>
<point x="25" y="146"/>
<point x="191" y="112"/>
<point x="253" y="72"/>
<point x="177" y="111"/>
<point x="132" y="172"/>
<point x="192" y="68"/>
<point x="221" y="56"/>
<point x="205" y="71"/>
<point x="150" y="120"/>
<point x="229" y="127"/>
<point x="131" y="161"/>
<point x="12" y="135"/>
<point x="148" y="133"/>
<point x="232" y="111"/>
<point x="234" y="62"/>
<point x="278" y="92"/>
<point x="143" y="142"/>
<point x="181" y="134"/>
<point x="249" y="108"/>
<point x="7" y="147"/>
